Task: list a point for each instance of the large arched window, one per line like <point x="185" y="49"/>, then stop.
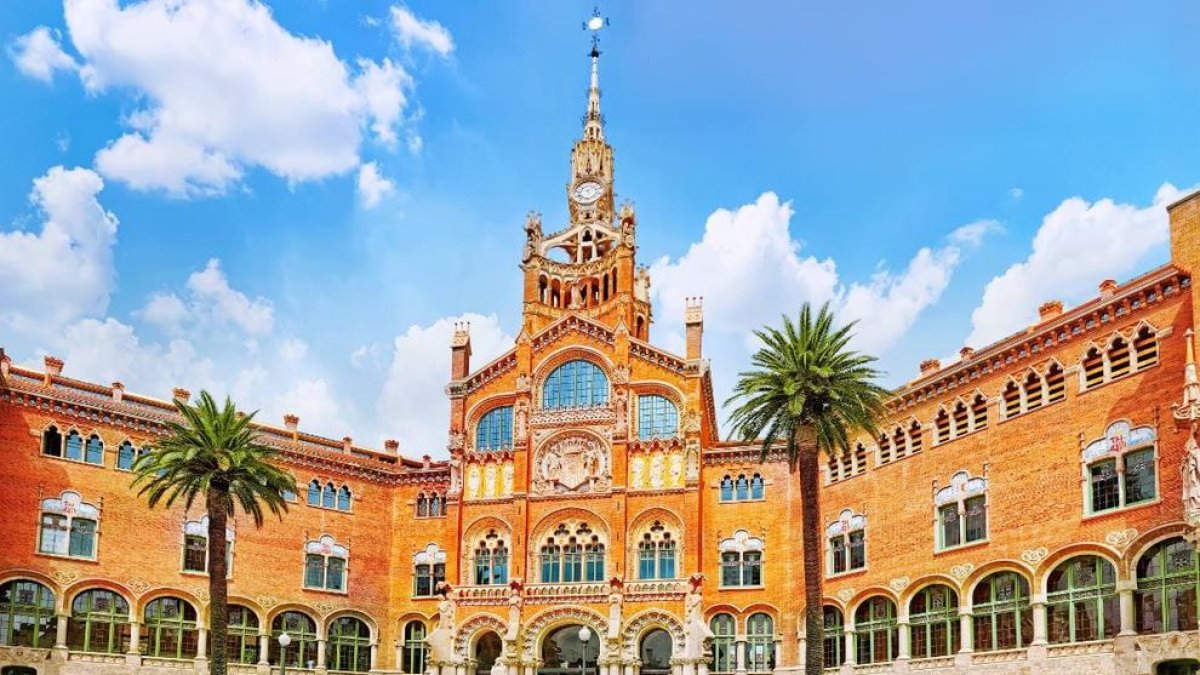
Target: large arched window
<point x="494" y="430"/>
<point x="875" y="631"/>
<point x="1081" y="601"/>
<point x="491" y="560"/>
<point x="835" y="637"/>
<point x="349" y="645"/>
<point x="933" y="621"/>
<point x="575" y="384"/>
<point x="656" y="553"/>
<point x="1001" y="614"/>
<point x="572" y="555"/>
<point x="170" y="629"/>
<point x="242" y="637"/>
<point x="99" y="623"/>
<point x="655" y="652"/>
<point x="302" y="652"/>
<point x="724" y="659"/>
<point x="26" y="615"/>
<point x="1168" y="587"/>
<point x="412" y="652"/>
<point x="657" y="417"/>
<point x="760" y="643"/>
<point x="487" y="650"/>
<point x="563" y="650"/>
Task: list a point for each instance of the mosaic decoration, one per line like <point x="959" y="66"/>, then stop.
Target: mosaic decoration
<point x="1035" y="555"/>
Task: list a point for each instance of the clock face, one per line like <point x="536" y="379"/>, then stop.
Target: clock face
<point x="586" y="193"/>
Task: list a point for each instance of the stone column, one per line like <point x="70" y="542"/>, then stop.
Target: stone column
<point x="1040" y="638"/>
<point x="320" y="655"/>
<point x="60" y="635"/>
<point x="135" y="638"/>
<point x="374" y="656"/>
<point x="964" y="630"/>
<point x="202" y="643"/>
<point x="264" y="649"/>
<point x="778" y="652"/>
<point x="905" y="639"/>
<point x="851" y="656"/>
<point x="740" y="646"/>
<point x="702" y="667"/>
<point x="1125" y="596"/>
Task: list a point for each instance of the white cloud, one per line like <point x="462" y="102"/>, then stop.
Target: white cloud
<point x="108" y="351"/>
<point x="1016" y="193"/>
<point x="315" y="404"/>
<point x="212" y="296"/>
<point x="372" y="186"/>
<point x="64" y="271"/>
<point x="164" y="310"/>
<point x="1078" y="245"/>
<point x="223" y="87"/>
<point x="293" y="349"/>
<point x="412" y="399"/>
<point x="38" y="54"/>
<point x="411" y="31"/>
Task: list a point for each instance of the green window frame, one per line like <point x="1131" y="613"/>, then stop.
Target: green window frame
<point x="1121" y="469"/>
<point x="412" y="655"/>
<point x="876" y="631"/>
<point x="99" y="623"/>
<point x="1001" y="616"/>
<point x="349" y="645"/>
<point x="241" y="639"/>
<point x="1168" y="588"/>
<point x="64" y="535"/>
<point x="834" y="641"/>
<point x="171" y="630"/>
<point x="760" y="643"/>
<point x="27" y="615"/>
<point x="303" y="631"/>
<point x="657" y="417"/>
<point x="933" y="622"/>
<point x="724" y="644"/>
<point x="1081" y="601"/>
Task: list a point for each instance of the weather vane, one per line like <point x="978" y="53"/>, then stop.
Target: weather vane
<point x="594" y="24"/>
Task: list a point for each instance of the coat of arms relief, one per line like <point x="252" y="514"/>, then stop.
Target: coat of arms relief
<point x="572" y="464"/>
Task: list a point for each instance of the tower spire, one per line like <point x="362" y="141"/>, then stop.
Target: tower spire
<point x="593" y="121"/>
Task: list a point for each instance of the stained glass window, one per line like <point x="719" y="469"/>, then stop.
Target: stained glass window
<point x="1168" y="588"/>
<point x="657" y="417"/>
<point x="494" y="430"/>
<point x="933" y="622"/>
<point x="1081" y="601"/>
<point x="575" y="384"/>
<point x="99" y="623"/>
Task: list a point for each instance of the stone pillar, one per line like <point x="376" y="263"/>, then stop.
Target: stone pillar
<point x="740" y="645"/>
<point x="1125" y="596"/>
<point x="264" y="649"/>
<point x="778" y="652"/>
<point x="60" y="635"/>
<point x="1040" y="637"/>
<point x="374" y="656"/>
<point x="905" y="639"/>
<point x="964" y="629"/>
<point x="320" y="654"/>
<point x="202" y="643"/>
<point x="851" y="656"/>
<point x="677" y="669"/>
<point x="702" y="667"/>
<point x="135" y="637"/>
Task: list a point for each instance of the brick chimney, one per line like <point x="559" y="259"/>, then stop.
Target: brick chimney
<point x="1108" y="288"/>
<point x="693" y="321"/>
<point x="460" y="351"/>
<point x="291" y="422"/>
<point x="966" y="353"/>
<point x="54" y="366"/>
<point x="118" y="391"/>
<point x="5" y="363"/>
<point x="347" y="444"/>
<point x="930" y="366"/>
<point x="426" y="461"/>
<point x="181" y="395"/>
<point x="392" y="446"/>
<point x="1050" y="310"/>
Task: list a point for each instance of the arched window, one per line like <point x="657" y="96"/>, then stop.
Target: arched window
<point x="429" y="570"/>
<point x="343" y="498"/>
<point x="170" y="625"/>
<point x="875" y="632"/>
<point x="756" y="486"/>
<point x="724" y="642"/>
<point x="741" y="560"/>
<point x="494" y="430"/>
<point x="487" y="650"/>
<point x="846" y="549"/>
<point x="760" y="643"/>
<point x="1001" y="615"/>
<point x="327" y="496"/>
<point x="656" y="554"/>
<point x="68" y="526"/>
<point x="412" y="652"/>
<point x="572" y="554"/>
<point x="491" y="560"/>
<point x="302" y="652"/>
<point x="422" y="506"/>
<point x="99" y="623"/>
<point x="349" y="645"/>
<point x="437" y="505"/>
<point x="74" y="445"/>
<point x="575" y="384"/>
<point x="1121" y="468"/>
<point x="657" y="417"/>
<point x="961" y="511"/>
<point x="1081" y="601"/>
<point x="727" y="488"/>
<point x="835" y="637"/>
<point x="125" y="456"/>
<point x="933" y="621"/>
<point x="52" y="442"/>
<point x="742" y="488"/>
<point x="325" y="564"/>
<point x="655" y="652"/>
<point x="26" y="615"/>
<point x="314" y="493"/>
<point x="242" y="637"/>
<point x="94" y="453"/>
<point x="1168" y="587"/>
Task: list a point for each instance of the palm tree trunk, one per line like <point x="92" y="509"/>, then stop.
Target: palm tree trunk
<point x="218" y="584"/>
<point x="810" y="524"/>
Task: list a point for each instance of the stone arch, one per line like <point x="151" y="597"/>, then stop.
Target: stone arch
<point x="1041" y="573"/>
<point x="1138" y="547"/>
<point x="486" y="405"/>
<point x="986" y="570"/>
<point x="723" y="608"/>
<point x="641" y="523"/>
<point x="865" y="594"/>
<point x="296" y="607"/>
<point x="550" y="520"/>
<point x="259" y="612"/>
<point x="467" y="633"/>
<point x="167" y="592"/>
<point x="905" y="596"/>
<point x="643" y="622"/>
<point x="541" y="625"/>
<point x="560" y="356"/>
<point x="37" y="577"/>
<point x="354" y="613"/>
<point x="661" y="388"/>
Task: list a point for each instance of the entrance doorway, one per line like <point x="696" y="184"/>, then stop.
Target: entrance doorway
<point x="655" y="652"/>
<point x="17" y="670"/>
<point x="487" y="650"/>
<point x="565" y="652"/>
<point x="1178" y="667"/>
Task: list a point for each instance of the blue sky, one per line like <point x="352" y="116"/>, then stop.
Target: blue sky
<point x="292" y="204"/>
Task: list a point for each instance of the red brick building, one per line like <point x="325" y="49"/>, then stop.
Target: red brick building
<point x="1029" y="508"/>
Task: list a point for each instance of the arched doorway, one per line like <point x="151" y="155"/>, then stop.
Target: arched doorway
<point x="565" y="652"/>
<point x="1178" y="667"/>
<point x="487" y="650"/>
<point x="655" y="652"/>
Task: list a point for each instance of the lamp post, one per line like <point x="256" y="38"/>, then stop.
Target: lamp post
<point x="585" y="634"/>
<point x="284" y="640"/>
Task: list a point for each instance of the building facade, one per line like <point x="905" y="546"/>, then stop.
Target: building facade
<point x="1029" y="508"/>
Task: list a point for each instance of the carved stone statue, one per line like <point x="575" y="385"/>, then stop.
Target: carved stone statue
<point x="616" y="596"/>
<point x="533" y="235"/>
<point x="576" y="463"/>
<point x="1191" y="481"/>
<point x="516" y="600"/>
<point x="521" y="421"/>
<point x="641" y="284"/>
<point x="441" y="639"/>
<point x="696" y="631"/>
<point x="455" y="476"/>
<point x="620" y="405"/>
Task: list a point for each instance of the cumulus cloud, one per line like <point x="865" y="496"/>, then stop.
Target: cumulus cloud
<point x="214" y="297"/>
<point x="316" y="405"/>
<point x="411" y="31"/>
<point x="372" y="186"/>
<point x="412" y="398"/>
<point x="1077" y="245"/>
<point x="223" y="88"/>
<point x="39" y="55"/>
<point x="62" y="271"/>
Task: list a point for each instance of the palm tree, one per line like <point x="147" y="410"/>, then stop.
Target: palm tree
<point x="213" y="453"/>
<point x="808" y="391"/>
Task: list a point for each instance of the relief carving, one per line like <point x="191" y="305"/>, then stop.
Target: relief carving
<point x="573" y="464"/>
